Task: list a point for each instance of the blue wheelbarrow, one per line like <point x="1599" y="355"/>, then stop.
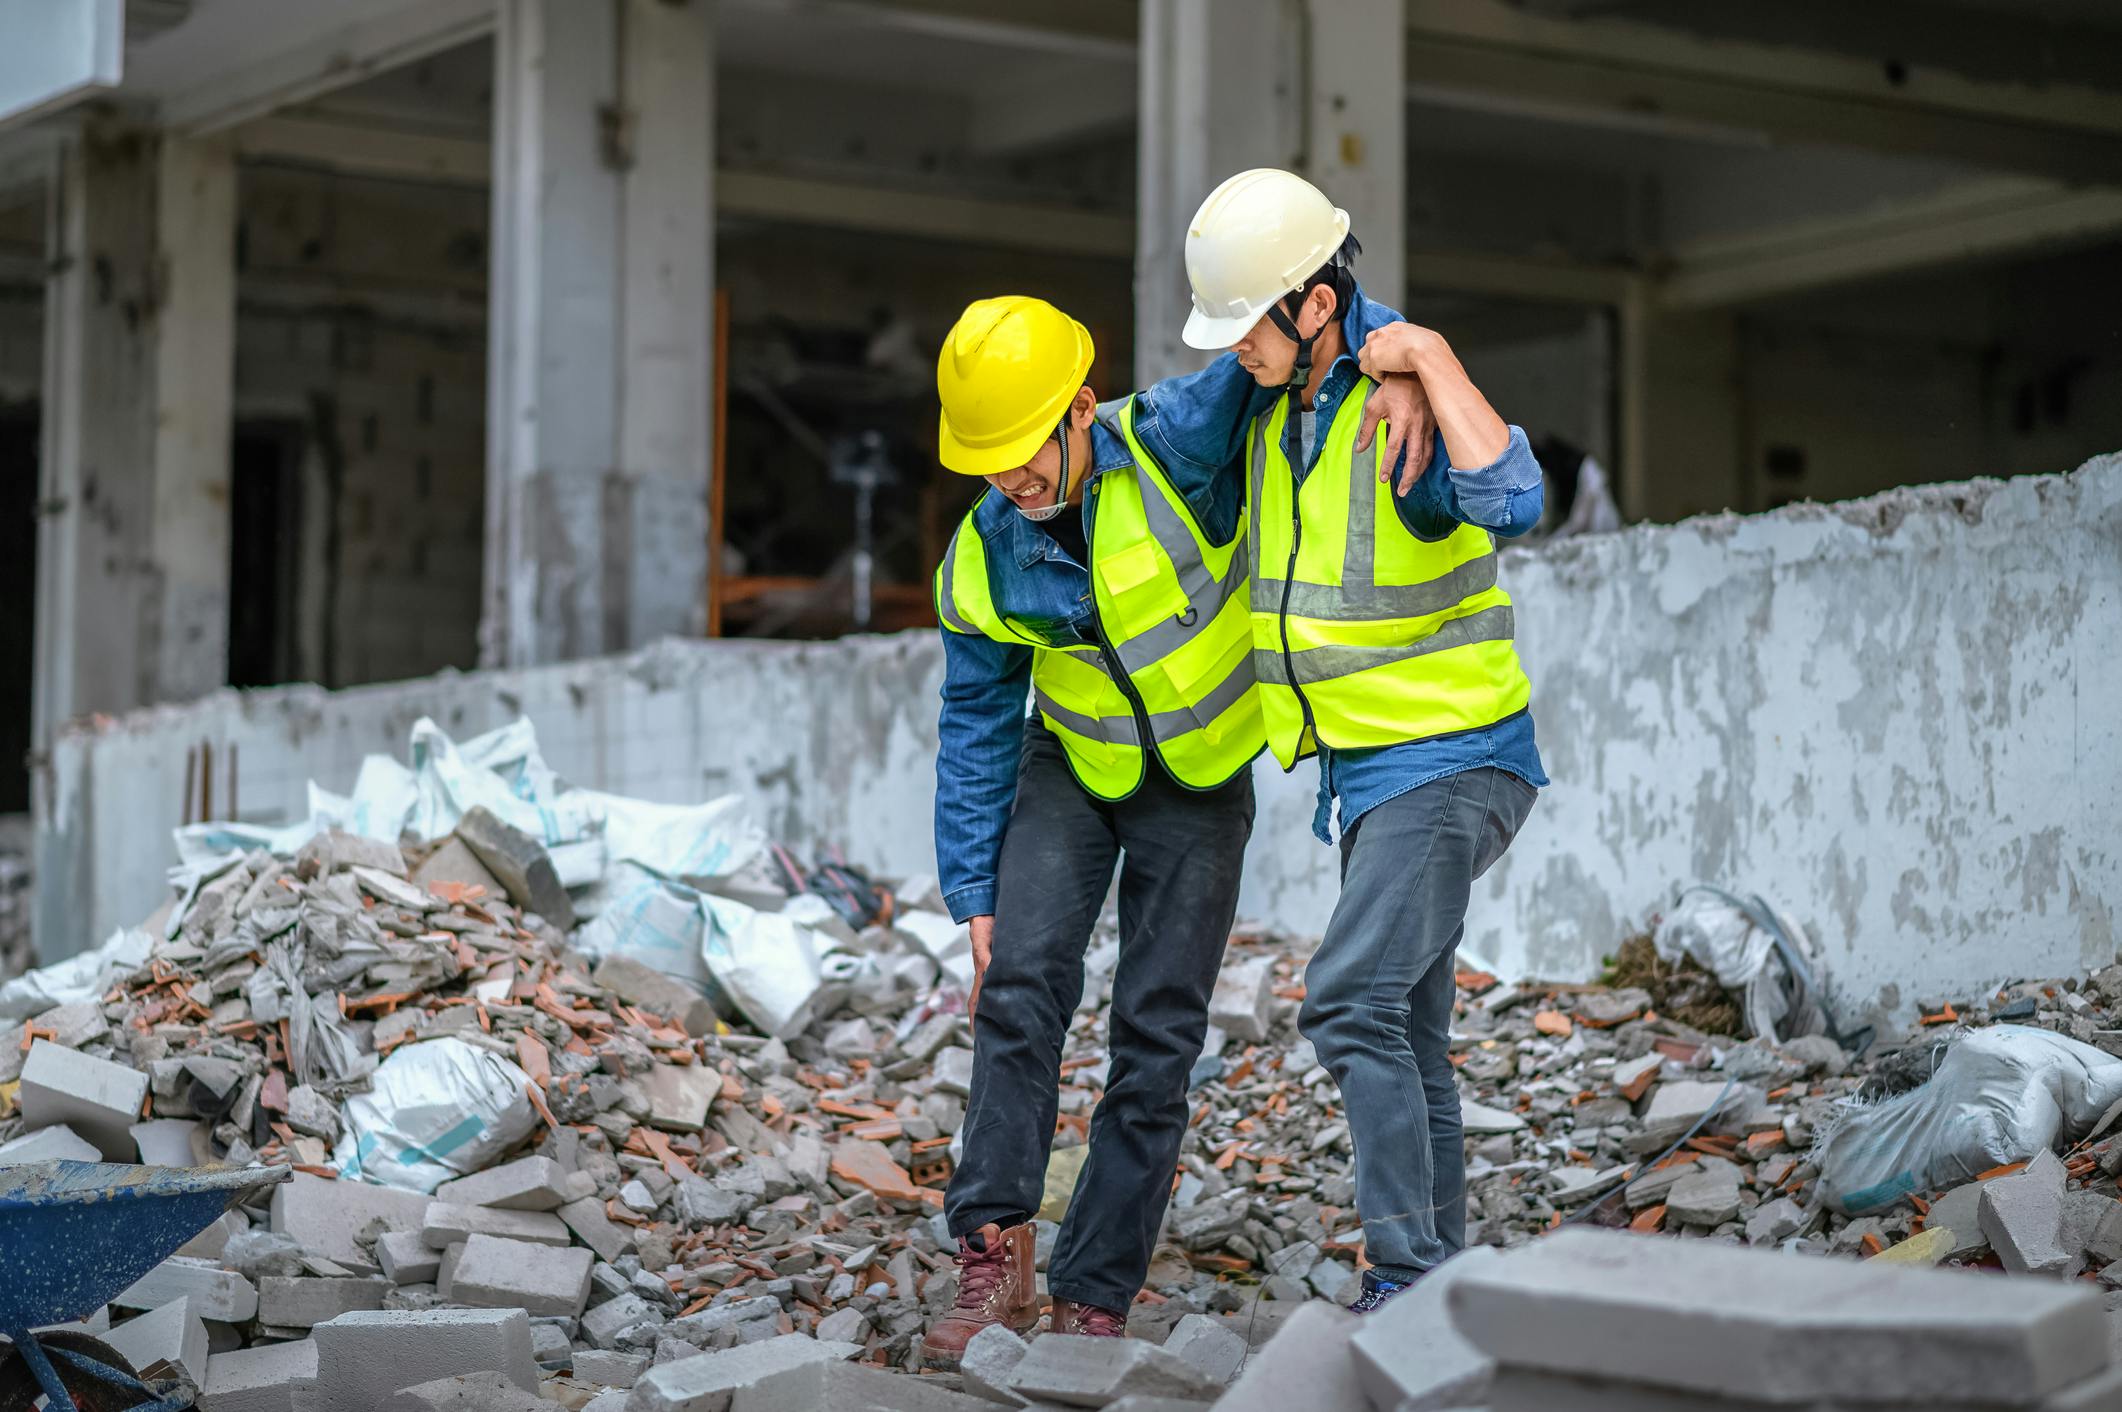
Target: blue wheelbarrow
<point x="74" y="1235"/>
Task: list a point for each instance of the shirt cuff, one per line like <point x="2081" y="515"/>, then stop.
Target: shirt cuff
<point x="1491" y="496"/>
<point x="970" y="901"/>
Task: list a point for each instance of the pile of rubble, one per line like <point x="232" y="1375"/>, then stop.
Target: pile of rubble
<point x="15" y="951"/>
<point x="527" y="1158"/>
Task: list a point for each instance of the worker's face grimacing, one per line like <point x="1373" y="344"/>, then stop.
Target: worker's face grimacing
<point x="1268" y="353"/>
<point x="1033" y="485"/>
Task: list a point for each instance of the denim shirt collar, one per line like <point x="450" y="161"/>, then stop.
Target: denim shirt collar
<point x="1012" y="537"/>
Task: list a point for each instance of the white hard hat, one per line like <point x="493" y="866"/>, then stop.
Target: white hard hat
<point x="1257" y="237"/>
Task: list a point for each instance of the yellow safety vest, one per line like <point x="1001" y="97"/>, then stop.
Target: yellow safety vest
<point x="1363" y="634"/>
<point x="1173" y="608"/>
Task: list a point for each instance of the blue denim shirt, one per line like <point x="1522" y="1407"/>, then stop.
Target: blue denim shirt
<point x="1195" y="426"/>
<point x="1503" y="497"/>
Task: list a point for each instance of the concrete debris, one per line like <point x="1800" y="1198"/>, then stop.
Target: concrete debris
<point x="1763" y="1327"/>
<point x="1080" y="1371"/>
<point x="163" y="1342"/>
<point x="696" y="1217"/>
<point x="261" y="1379"/>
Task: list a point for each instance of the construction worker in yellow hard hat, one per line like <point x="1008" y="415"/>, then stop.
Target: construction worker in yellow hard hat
<point x="1102" y="572"/>
<point x="1384" y="646"/>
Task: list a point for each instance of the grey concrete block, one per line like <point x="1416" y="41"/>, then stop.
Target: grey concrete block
<point x="170" y="1142"/>
<point x="336" y="850"/>
<point x="679" y="1095"/>
<point x="1243" y="1002"/>
<point x="1788" y="1330"/>
<point x="407" y="1259"/>
<point x="57" y="1143"/>
<point x="1139" y="1403"/>
<point x="606" y="1368"/>
<point x="710" y="1382"/>
<point x="656" y="993"/>
<point x="260" y="1379"/>
<point x="2022" y="1218"/>
<point x="844" y="1387"/>
<point x="586" y="1218"/>
<point x="989" y="1360"/>
<point x="1959" y="1211"/>
<point x="520" y="863"/>
<point x="215" y="1293"/>
<point x="467" y="1392"/>
<point x="162" y="1341"/>
<point x="513" y="1274"/>
<point x="365" y="1356"/>
<point x="1211" y="1346"/>
<point x="606" y="1325"/>
<point x="325" y="1216"/>
<point x="304" y="1301"/>
<point x="1078" y="1371"/>
<point x="526" y="1184"/>
<point x="843" y="1326"/>
<point x="1306" y="1364"/>
<point x="1704" y="1197"/>
<point x="99" y="1100"/>
<point x="447" y="1223"/>
<point x="1409" y="1356"/>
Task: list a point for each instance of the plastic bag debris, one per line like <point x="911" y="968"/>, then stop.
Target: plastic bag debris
<point x="646" y="918"/>
<point x="1999" y="1096"/>
<point x="434" y="1111"/>
<point x="80" y="977"/>
<point x="768" y="965"/>
<point x="1735" y="939"/>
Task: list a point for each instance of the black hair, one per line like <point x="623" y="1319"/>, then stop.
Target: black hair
<point x="1338" y="274"/>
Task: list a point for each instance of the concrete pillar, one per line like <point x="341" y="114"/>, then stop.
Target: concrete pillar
<point x="600" y="332"/>
<point x="1315" y="86"/>
<point x="133" y="543"/>
<point x="1681" y="413"/>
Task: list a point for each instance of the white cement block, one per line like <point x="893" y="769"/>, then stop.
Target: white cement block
<point x="1787" y="1330"/>
<point x="325" y="1215"/>
<point x="215" y="1293"/>
<point x="365" y="1356"/>
<point x="260" y="1379"/>
<point x="162" y="1339"/>
<point x="448" y="1222"/>
<point x="99" y="1100"/>
<point x="526" y="1184"/>
<point x="512" y="1274"/>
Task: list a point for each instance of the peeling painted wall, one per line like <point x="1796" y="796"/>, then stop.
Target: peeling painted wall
<point x="1900" y="717"/>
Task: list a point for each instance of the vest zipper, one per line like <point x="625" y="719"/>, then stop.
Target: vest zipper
<point x="1289" y="578"/>
<point x="1113" y="666"/>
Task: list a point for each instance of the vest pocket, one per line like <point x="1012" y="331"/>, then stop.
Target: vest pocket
<point x="1142" y="586"/>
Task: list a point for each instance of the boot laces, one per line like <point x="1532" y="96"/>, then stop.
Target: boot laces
<point x="979" y="1272"/>
<point x="1099" y="1323"/>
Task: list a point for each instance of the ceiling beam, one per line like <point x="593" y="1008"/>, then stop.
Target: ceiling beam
<point x="214" y="102"/>
<point x="879" y="210"/>
<point x="1979" y="220"/>
<point x="1496" y="54"/>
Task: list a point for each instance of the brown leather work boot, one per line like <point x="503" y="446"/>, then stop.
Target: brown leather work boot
<point x="1090" y="1320"/>
<point x="996" y="1285"/>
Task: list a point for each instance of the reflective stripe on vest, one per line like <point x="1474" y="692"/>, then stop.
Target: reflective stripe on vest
<point x="1174" y="611"/>
<point x="1377" y="663"/>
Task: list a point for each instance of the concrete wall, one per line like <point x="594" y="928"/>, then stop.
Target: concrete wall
<point x="1895" y="716"/>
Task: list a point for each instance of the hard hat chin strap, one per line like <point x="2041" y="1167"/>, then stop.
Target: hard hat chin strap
<point x="1300" y="376"/>
<point x="1047" y="512"/>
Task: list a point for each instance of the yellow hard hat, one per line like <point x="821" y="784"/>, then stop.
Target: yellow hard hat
<point x="1007" y="372"/>
<point x="1257" y="237"/>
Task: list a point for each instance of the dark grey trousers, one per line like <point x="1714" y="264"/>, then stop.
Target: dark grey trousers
<point x="1378" y="1004"/>
<point x="1179" y="852"/>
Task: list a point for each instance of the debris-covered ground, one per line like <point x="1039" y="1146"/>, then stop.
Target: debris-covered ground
<point x="524" y="1153"/>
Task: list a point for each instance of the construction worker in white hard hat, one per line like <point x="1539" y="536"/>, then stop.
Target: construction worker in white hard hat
<point x="1384" y="646"/>
<point x="1101" y="573"/>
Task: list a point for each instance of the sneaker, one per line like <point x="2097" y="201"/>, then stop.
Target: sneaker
<point x="1090" y="1320"/>
<point x="1377" y="1291"/>
<point x="996" y="1285"/>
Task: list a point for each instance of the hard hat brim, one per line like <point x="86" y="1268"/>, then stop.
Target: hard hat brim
<point x="992" y="460"/>
<point x="1213" y="333"/>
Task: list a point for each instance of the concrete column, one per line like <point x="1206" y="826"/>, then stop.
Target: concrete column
<point x="133" y="543"/>
<point x="600" y="333"/>
<point x="1315" y="86"/>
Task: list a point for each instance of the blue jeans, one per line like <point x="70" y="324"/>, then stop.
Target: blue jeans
<point x="1378" y="1004"/>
